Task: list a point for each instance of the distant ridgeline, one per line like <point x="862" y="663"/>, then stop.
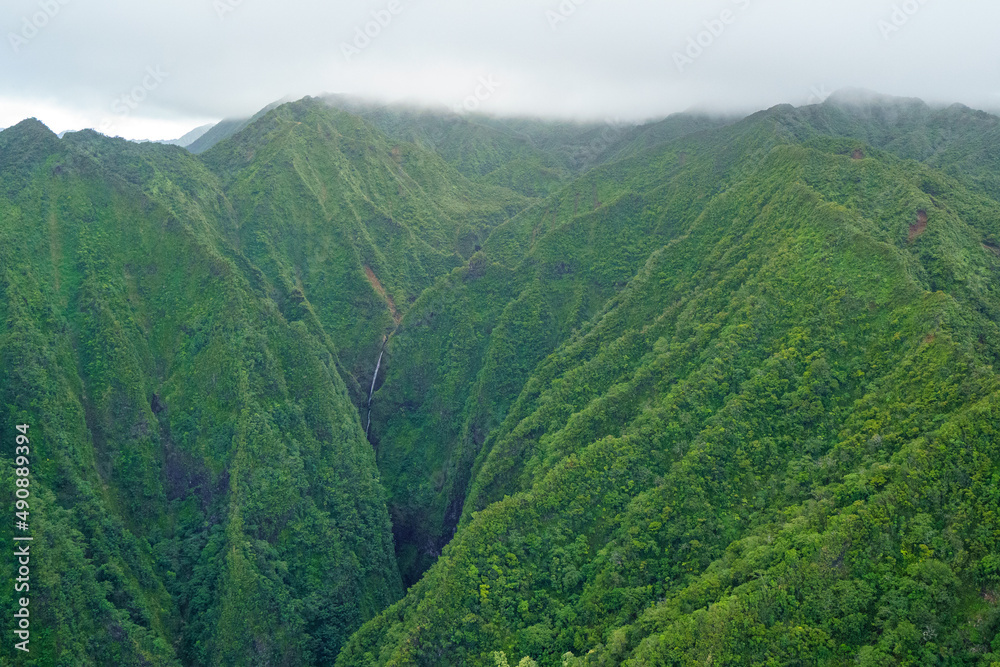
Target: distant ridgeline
<point x="705" y="391"/>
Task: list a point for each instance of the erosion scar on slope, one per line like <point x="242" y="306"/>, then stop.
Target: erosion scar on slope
<point x="373" y="279"/>
<point x="919" y="227"/>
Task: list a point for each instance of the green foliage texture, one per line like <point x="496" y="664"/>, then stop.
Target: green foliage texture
<point x="700" y="392"/>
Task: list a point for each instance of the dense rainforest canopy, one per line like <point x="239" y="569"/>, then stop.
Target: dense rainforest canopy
<point x="704" y="391"/>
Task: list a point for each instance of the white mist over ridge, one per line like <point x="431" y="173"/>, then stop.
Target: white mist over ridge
<point x="88" y="65"/>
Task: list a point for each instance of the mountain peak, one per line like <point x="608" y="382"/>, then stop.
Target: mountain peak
<point x="27" y="143"/>
<point x="30" y="127"/>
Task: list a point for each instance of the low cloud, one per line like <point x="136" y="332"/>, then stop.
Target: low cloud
<point x="72" y="63"/>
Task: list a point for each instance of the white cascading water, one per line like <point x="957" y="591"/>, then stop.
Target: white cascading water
<point x="371" y="392"/>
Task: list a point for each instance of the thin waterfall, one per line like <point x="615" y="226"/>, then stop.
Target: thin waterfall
<point x="371" y="392"/>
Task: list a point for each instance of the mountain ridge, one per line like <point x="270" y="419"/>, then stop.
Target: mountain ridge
<point x="701" y="390"/>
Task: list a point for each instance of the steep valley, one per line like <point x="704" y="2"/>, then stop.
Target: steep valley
<point x="364" y="385"/>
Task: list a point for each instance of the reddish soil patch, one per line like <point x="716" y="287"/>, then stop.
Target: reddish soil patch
<point x="930" y="339"/>
<point x="991" y="597"/>
<point x="858" y="154"/>
<point x="920" y="226"/>
<point x="992" y="249"/>
<point x="385" y="295"/>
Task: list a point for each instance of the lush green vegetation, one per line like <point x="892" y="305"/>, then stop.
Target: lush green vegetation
<point x="703" y="391"/>
<point x="203" y="491"/>
<point x="756" y="423"/>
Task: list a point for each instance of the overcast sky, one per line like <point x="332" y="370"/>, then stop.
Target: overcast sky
<point x="158" y="68"/>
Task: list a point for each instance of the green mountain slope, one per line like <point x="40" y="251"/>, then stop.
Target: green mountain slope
<point x="202" y="490"/>
<point x="776" y="444"/>
<point x="530" y="156"/>
<point x="465" y="350"/>
<point x="957" y="140"/>
<point x="360" y="385"/>
<point x="216" y="322"/>
<point x="335" y="212"/>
